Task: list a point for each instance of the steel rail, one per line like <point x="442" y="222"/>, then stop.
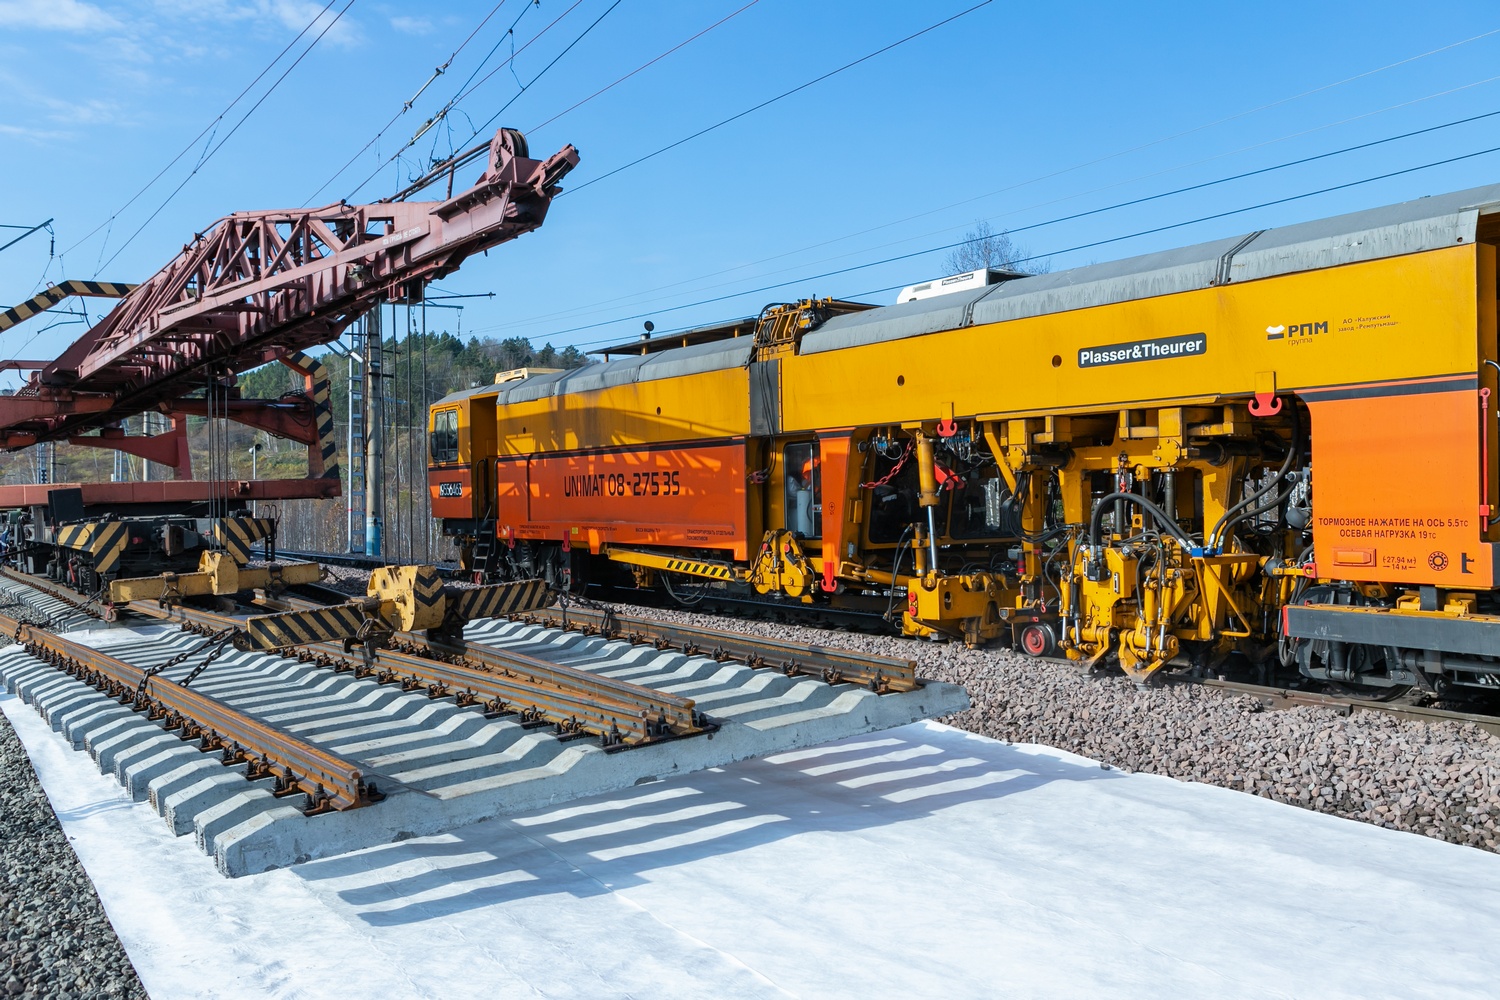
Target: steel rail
<point x="881" y="674"/>
<point x="575" y="701"/>
<point x="593" y="622"/>
<point x="489" y="659"/>
<point x="356" y="559"/>
<point x="71" y="598"/>
<point x="1283" y="698"/>
<point x="328" y="781"/>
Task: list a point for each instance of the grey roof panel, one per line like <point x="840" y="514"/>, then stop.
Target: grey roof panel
<point x="697" y="359"/>
<point x="463" y="394"/>
<point x="1410" y="227"/>
<point x="1179" y="270"/>
<point x="693" y="360"/>
<point x="1442" y="220"/>
<point x="621" y="371"/>
<point x="535" y="387"/>
<point x="904" y="319"/>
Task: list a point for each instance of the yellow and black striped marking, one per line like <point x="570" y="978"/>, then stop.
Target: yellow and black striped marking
<point x="667" y="563"/>
<point x="238" y="535"/>
<point x="301" y="628"/>
<point x="54" y="294"/>
<point x="714" y="570"/>
<point x="427" y="592"/>
<point x="109" y="546"/>
<point x="500" y="599"/>
<point x="322" y="398"/>
<point x="103" y="541"/>
<point x="75" y="536"/>
<point x="411" y="597"/>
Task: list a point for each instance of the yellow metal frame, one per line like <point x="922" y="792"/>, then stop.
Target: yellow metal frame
<point x="218" y="575"/>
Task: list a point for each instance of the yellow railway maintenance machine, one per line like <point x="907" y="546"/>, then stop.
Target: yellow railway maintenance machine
<point x="1281" y="445"/>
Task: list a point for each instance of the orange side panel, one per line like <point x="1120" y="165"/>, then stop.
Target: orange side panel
<point x="1396" y="488"/>
<point x="690" y="497"/>
<point x="834" y="451"/>
<point x="451" y="488"/>
<point x="512" y="502"/>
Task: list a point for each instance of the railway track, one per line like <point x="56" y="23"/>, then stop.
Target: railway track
<point x="223" y="742"/>
<point x="805" y="658"/>
<point x="574" y="702"/>
<point x="879" y="672"/>
<point x="1283" y="698"/>
<point x="356" y="559"/>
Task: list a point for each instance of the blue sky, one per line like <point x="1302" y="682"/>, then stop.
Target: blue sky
<point x="1015" y="114"/>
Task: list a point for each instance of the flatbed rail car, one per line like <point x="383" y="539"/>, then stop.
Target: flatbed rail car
<point x="1281" y="445"/>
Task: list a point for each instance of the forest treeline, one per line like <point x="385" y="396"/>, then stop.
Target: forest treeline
<point x="420" y="369"/>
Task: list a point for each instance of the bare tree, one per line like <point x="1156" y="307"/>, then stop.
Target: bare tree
<point x="985" y="246"/>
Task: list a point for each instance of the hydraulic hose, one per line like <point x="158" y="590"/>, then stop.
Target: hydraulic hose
<point x="1245" y="515"/>
<point x="1294" y="448"/>
<point x="1161" y="516"/>
<point x="1229" y="519"/>
<point x="890" y="605"/>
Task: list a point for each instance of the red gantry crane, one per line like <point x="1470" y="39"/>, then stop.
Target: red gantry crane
<point x="257" y="287"/>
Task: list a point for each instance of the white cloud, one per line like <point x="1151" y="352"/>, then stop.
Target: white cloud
<point x="92" y="111"/>
<point x="295" y="14"/>
<point x="281" y="14"/>
<point x="33" y="134"/>
<point x="56" y="15"/>
<point x="412" y="25"/>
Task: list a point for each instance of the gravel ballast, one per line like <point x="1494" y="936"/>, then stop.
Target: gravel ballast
<point x="1440" y="779"/>
<point x="55" y="941"/>
<point x="1437" y="779"/>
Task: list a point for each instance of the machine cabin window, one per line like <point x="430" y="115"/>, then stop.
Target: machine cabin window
<point x="804" y="489"/>
<point x="443" y="442"/>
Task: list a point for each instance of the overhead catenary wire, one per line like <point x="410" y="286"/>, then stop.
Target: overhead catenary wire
<point x="458" y="160"/>
<point x="206" y="129"/>
<point x="462" y="158"/>
<point x="779" y="97"/>
<point x="1132" y="149"/>
<point x="203" y="160"/>
<point x="1086" y="246"/>
<point x="598" y="306"/>
<point x="437" y="72"/>
<point x="643" y="66"/>
<point x="1403" y="104"/>
<point x="524" y="87"/>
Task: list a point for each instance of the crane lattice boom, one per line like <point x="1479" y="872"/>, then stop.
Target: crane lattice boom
<point x="257" y="285"/>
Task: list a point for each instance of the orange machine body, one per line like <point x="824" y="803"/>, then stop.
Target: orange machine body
<point x="1161" y="460"/>
<point x="688" y="497"/>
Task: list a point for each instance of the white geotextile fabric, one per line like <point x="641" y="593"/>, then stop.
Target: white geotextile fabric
<point x="921" y="862"/>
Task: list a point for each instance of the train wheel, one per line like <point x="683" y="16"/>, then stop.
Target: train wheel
<point x="1038" y="639"/>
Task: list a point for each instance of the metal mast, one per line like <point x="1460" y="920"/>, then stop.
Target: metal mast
<point x="356" y="444"/>
<point x="374" y="433"/>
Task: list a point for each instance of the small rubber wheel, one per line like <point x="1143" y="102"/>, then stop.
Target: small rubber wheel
<point x="1038" y="639"/>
